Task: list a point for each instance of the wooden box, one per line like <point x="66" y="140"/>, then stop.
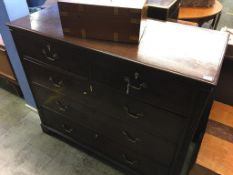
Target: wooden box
<point x="163" y="10"/>
<point x="115" y="20"/>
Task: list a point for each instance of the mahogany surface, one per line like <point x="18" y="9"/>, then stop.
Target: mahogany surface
<point x="140" y="107"/>
<point x="119" y="21"/>
<point x="185" y="50"/>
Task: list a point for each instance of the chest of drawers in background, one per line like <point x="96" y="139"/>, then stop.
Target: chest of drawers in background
<point x="5" y="66"/>
<point x="101" y="96"/>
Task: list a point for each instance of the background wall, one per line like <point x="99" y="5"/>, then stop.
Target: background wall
<point x="11" y="10"/>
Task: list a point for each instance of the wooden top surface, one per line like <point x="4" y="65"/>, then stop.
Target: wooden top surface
<point x="200" y="12"/>
<point x="189" y="51"/>
<point x="135" y="4"/>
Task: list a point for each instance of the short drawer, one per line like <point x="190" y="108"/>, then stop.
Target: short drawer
<point x="60" y="82"/>
<point x="65" y="127"/>
<point x="110" y="149"/>
<point x="66" y="56"/>
<point x="125" y="135"/>
<point x="149" y="85"/>
<point x="153" y="120"/>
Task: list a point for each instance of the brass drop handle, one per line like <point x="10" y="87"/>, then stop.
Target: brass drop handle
<point x="67" y="129"/>
<point x="138" y="87"/>
<point x="57" y="84"/>
<point x="132" y="115"/>
<point x="127" y="160"/>
<point x="62" y="107"/>
<point x="89" y="90"/>
<point x="130" y="138"/>
<point x="49" y="54"/>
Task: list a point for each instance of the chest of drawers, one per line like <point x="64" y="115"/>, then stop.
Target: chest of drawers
<point x="137" y="106"/>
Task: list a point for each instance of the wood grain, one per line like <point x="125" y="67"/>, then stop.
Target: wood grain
<point x="216" y="154"/>
<point x="185" y="50"/>
<point x="222" y="113"/>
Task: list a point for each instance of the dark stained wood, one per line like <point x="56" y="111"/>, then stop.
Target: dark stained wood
<point x="163" y="10"/>
<point x="184" y="50"/>
<point x="102" y="88"/>
<point x="98" y="144"/>
<point x="220" y="130"/>
<point x="223" y="92"/>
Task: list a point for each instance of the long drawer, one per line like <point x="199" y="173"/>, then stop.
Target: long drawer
<point x="96" y="141"/>
<point x="125" y="135"/>
<point x="66" y="56"/>
<point x="146" y="84"/>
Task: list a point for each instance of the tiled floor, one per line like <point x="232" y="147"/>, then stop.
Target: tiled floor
<point x="227" y="14"/>
<point x="216" y="151"/>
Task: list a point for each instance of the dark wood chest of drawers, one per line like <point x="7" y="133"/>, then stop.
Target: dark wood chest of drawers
<point x="139" y="107"/>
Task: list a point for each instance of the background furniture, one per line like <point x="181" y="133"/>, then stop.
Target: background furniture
<point x="133" y="105"/>
<point x="6" y="71"/>
<point x="202" y="15"/>
<point x="224" y="90"/>
<point x="5" y="66"/>
<point x="163" y="10"/>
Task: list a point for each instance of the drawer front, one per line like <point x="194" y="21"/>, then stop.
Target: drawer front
<point x="60" y="82"/>
<point x="94" y="140"/>
<point x="160" y="89"/>
<point x="65" y="56"/>
<point x="153" y="120"/>
<point x="64" y="126"/>
<point x="132" y="159"/>
<point x="125" y="135"/>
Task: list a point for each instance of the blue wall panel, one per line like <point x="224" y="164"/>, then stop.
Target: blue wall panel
<point x="11" y="10"/>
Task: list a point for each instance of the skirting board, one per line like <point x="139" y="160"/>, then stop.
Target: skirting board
<point x="32" y="108"/>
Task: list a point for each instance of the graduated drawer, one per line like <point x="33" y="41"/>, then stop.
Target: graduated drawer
<point x="153" y="120"/>
<point x="60" y="82"/>
<point x="149" y="85"/>
<point x="125" y="135"/>
<point x="66" y="56"/>
<point x="100" y="144"/>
